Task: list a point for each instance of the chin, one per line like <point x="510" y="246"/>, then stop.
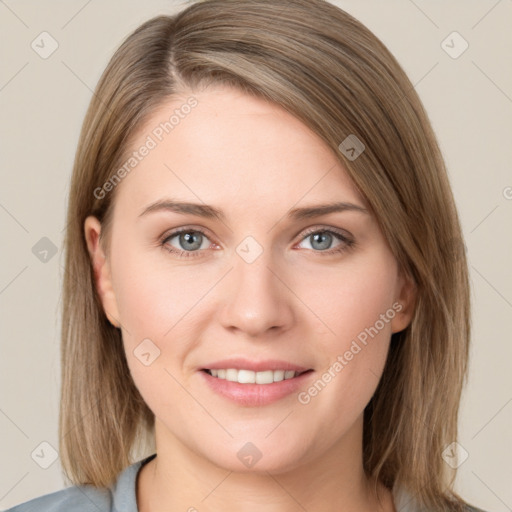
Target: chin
<point x="257" y="457"/>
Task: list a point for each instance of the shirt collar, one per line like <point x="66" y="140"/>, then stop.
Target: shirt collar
<point x="124" y="491"/>
<point x="404" y="501"/>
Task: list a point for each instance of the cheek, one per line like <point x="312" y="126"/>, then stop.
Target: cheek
<point x="351" y="298"/>
<point x="356" y="304"/>
<point x="159" y="309"/>
<point x="151" y="304"/>
<point x="152" y="295"/>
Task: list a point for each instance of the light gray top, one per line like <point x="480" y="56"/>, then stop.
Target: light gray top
<point x="121" y="497"/>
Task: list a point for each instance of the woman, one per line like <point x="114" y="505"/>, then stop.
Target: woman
<point x="265" y="288"/>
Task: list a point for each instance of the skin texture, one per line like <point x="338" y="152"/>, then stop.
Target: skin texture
<point x="255" y="162"/>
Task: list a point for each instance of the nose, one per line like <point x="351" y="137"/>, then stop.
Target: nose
<point x="257" y="299"/>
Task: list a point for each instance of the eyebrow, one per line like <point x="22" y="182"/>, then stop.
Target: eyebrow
<point x="210" y="212"/>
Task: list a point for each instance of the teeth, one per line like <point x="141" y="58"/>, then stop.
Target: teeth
<point x="250" y="377"/>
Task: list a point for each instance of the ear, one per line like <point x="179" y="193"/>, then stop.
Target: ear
<point x="404" y="304"/>
<point x="101" y="268"/>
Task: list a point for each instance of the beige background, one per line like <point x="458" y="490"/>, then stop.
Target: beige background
<point x="43" y="101"/>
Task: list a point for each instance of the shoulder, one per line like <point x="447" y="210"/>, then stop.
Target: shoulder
<point x="87" y="498"/>
<point x="406" y="502"/>
<point x="78" y="498"/>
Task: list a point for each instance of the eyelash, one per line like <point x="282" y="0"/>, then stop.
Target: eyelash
<point x="347" y="244"/>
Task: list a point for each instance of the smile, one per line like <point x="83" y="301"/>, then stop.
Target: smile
<point x="252" y="377"/>
<point x="250" y="388"/>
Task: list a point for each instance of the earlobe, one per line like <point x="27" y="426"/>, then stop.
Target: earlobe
<point x="405" y="303"/>
<point x="101" y="270"/>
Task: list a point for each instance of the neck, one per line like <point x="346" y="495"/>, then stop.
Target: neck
<point x="180" y="479"/>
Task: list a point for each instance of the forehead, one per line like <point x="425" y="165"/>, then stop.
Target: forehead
<point x="231" y="148"/>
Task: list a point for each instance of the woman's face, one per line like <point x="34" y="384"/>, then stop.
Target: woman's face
<point x="256" y="277"/>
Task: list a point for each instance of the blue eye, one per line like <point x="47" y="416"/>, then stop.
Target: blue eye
<point x="192" y="242"/>
<point x="323" y="238"/>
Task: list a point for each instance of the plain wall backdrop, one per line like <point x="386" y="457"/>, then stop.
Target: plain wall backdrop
<point x="467" y="93"/>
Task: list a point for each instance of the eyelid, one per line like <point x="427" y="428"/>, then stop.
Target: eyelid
<point x="343" y="235"/>
<point x="184" y="229"/>
<point x="322" y="228"/>
<point x="305" y="232"/>
<point x="187" y="229"/>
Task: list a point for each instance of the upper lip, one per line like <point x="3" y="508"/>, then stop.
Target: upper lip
<point x="241" y="363"/>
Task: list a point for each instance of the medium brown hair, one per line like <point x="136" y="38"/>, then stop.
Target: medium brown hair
<point x="332" y="73"/>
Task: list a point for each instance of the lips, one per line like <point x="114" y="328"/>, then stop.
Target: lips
<point x="240" y="363"/>
<point x="255" y="383"/>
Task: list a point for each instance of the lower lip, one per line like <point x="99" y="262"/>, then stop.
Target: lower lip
<point x="256" y="394"/>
